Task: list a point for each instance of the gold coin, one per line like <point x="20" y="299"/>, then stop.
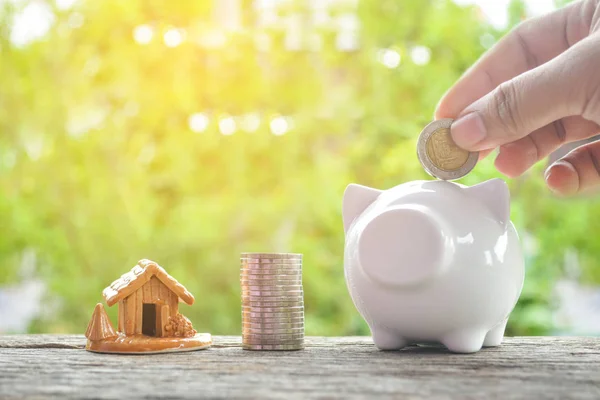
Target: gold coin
<point x="440" y="156"/>
<point x="444" y="153"/>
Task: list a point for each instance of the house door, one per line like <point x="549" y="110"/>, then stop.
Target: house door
<point x="149" y="320"/>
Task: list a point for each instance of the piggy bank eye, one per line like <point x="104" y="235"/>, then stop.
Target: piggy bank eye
<point x="405" y="245"/>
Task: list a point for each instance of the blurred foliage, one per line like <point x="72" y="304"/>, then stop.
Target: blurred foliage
<point x="99" y="166"/>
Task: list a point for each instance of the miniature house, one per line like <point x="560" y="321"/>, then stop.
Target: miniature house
<point x="147" y="298"/>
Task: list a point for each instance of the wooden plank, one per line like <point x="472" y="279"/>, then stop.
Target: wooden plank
<point x="130" y="314"/>
<point x="148" y="291"/>
<point x="138" y="310"/>
<point x="42" y="366"/>
<point x="162" y="319"/>
<point x="173" y="303"/>
<point x="162" y="293"/>
<point x="121" y="316"/>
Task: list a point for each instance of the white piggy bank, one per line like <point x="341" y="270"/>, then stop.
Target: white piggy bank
<point x="433" y="261"/>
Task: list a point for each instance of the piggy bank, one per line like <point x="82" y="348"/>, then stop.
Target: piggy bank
<point x="433" y="262"/>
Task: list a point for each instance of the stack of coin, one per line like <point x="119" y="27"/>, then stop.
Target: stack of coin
<point x="440" y="156"/>
<point x="272" y="301"/>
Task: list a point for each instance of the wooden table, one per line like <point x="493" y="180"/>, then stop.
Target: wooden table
<point x="41" y="366"/>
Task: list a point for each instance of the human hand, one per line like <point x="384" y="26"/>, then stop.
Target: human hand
<point x="535" y="90"/>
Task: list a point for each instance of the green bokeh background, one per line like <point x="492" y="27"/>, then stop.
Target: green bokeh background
<point x="99" y="167"/>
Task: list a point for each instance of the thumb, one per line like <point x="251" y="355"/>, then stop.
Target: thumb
<point x="536" y="98"/>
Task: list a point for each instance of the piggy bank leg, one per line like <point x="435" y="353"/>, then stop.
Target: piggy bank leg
<point x="464" y="341"/>
<point x="386" y="340"/>
<point x="495" y="335"/>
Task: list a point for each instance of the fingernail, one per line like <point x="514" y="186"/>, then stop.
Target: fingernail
<point x="562" y="178"/>
<point x="468" y="131"/>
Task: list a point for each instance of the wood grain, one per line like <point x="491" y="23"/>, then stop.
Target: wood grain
<point x="137" y="297"/>
<point x="121" y="316"/>
<point x="41" y="366"/>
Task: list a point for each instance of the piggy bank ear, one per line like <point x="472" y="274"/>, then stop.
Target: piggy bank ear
<point x="356" y="199"/>
<point x="496" y="196"/>
<point x="405" y="245"/>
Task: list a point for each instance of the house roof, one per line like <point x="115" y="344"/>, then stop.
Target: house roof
<point x="137" y="277"/>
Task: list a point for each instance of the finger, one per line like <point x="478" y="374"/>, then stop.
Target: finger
<point x="577" y="172"/>
<point x="517" y="157"/>
<point x="559" y="88"/>
<point x="529" y="45"/>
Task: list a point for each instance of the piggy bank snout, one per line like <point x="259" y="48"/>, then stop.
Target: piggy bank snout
<point x="404" y="245"/>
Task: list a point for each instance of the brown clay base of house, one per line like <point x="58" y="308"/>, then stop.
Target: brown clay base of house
<point x="141" y="344"/>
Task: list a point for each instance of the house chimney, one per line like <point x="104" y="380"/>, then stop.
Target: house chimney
<point x="99" y="327"/>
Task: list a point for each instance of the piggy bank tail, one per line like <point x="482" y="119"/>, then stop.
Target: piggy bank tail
<point x="406" y="245"/>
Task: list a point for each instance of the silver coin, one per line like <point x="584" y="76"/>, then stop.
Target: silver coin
<point x="273" y="291"/>
<point x="249" y="331"/>
<point x="274" y="276"/>
<point x="286" y="298"/>
<point x="251" y="322"/>
<point x="285" y="275"/>
<point x="266" y="338"/>
<point x="273" y="347"/>
<point x="269" y="282"/>
<point x="257" y="319"/>
<point x="278" y="310"/>
<point x="255" y="268"/>
<point x="246" y="276"/>
<point x="277" y="296"/>
<point x="272" y="269"/>
<point x="273" y="325"/>
<point x="282" y="288"/>
<point x="450" y="162"/>
<point x="299" y="345"/>
<point x="260" y="303"/>
<point x="260" y="273"/>
<point x="275" y="280"/>
<point x="273" y="298"/>
<point x="272" y="295"/>
<point x="282" y="316"/>
<point x="272" y="339"/>
<point x="274" y="321"/>
<point x="250" y="265"/>
<point x="267" y="308"/>
<point x="271" y="261"/>
<point x="272" y="255"/>
<point x="272" y="331"/>
<point x="271" y="278"/>
<point x="247" y="318"/>
<point x="298" y="342"/>
<point x="266" y="273"/>
<point x="278" y="305"/>
<point x="270" y="264"/>
<point x="274" y="310"/>
<point x="272" y="288"/>
<point x="265" y="302"/>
